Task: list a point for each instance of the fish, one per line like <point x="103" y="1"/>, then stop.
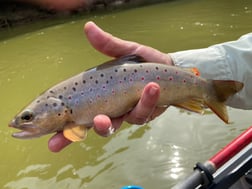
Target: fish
<point x="113" y="89"/>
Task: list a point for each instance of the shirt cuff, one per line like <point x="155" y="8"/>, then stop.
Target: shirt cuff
<point x="211" y="62"/>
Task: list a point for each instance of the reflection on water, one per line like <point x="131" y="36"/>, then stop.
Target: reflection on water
<point x="156" y="155"/>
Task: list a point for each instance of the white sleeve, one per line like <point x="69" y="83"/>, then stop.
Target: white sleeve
<point x="225" y="61"/>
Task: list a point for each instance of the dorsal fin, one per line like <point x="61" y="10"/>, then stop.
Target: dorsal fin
<point x="128" y="59"/>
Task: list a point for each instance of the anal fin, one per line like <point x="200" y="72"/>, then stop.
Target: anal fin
<point x="194" y="105"/>
<point x="75" y="133"/>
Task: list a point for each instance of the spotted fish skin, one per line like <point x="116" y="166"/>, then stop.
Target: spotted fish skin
<point x="114" y="89"/>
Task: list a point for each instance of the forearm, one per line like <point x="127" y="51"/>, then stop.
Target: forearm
<point x="226" y="61"/>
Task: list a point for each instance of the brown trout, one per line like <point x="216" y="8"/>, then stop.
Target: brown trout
<point x="113" y="89"/>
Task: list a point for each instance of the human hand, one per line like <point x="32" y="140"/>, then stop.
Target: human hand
<point x="146" y="109"/>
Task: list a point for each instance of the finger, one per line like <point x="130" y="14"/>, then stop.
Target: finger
<point x="146" y="105"/>
<point x="58" y="142"/>
<point x="115" y="47"/>
<point x="104" y="126"/>
<point x="106" y="43"/>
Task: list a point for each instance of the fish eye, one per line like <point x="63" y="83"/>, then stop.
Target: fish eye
<point x="27" y="115"/>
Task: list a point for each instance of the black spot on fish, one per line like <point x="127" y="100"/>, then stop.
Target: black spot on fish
<point x="51" y="91"/>
<point x="65" y="88"/>
<point x="55" y="104"/>
<point x="46" y="105"/>
<point x="91" y="89"/>
<point x="102" y="75"/>
<point x="111" y="77"/>
<point x="74" y="89"/>
<point x="156" y="68"/>
<point x="71" y="111"/>
<point x="91" y="77"/>
<point x="48" y="97"/>
<point x="165" y="70"/>
<point x="107" y="81"/>
<point x="116" y="70"/>
<point x="96" y="81"/>
<point x="124" y="70"/>
<point x="59" y="114"/>
<point x="38" y="101"/>
<point x="62" y="104"/>
<point x="125" y="78"/>
<point x="76" y="83"/>
<point x="84" y="81"/>
<point x="135" y="70"/>
<point x="60" y="97"/>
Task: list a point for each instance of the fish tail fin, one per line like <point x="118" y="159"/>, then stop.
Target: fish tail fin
<point x="222" y="90"/>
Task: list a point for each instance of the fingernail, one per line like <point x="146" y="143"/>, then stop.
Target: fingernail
<point x="153" y="91"/>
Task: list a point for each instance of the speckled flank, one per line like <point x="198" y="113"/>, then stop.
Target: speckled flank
<point x="101" y="91"/>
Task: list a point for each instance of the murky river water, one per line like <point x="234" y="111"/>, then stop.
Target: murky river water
<point x="154" y="156"/>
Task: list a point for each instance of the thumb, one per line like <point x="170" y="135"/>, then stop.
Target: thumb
<point x="106" y="43"/>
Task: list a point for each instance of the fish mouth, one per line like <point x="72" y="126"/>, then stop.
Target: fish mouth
<point x="27" y="130"/>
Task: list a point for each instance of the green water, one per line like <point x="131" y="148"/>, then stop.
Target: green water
<point x="154" y="156"/>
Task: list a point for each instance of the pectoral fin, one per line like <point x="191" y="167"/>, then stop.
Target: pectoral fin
<point x="75" y="133"/>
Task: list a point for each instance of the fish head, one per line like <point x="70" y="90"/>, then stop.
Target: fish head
<point x="41" y="117"/>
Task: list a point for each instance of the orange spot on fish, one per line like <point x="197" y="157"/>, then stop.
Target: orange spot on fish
<point x="195" y="71"/>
